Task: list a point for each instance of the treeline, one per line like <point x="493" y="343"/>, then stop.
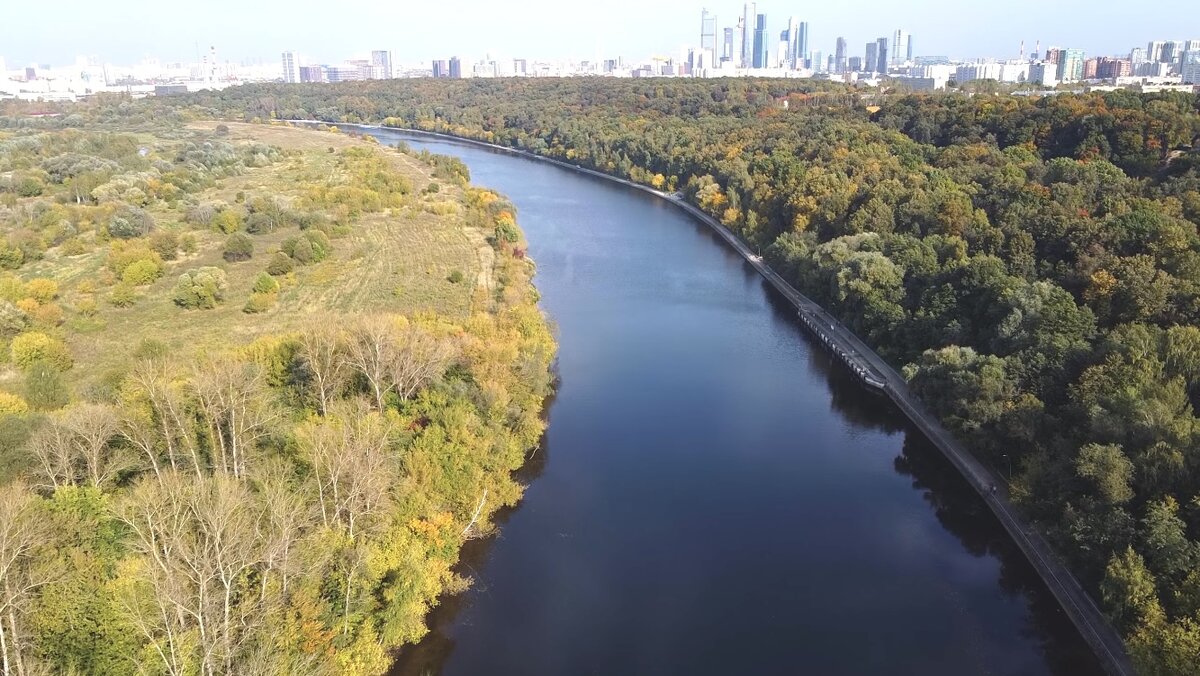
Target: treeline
<point x="1032" y="263"/>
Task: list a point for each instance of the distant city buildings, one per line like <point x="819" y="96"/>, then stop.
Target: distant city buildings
<point x="291" y="67"/>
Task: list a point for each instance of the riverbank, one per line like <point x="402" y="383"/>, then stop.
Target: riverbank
<point x="1083" y="612"/>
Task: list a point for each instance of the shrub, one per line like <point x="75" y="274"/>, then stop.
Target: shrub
<point x="238" y="247"/>
<point x="49" y="314"/>
<point x="281" y="264"/>
<point x="35" y="346"/>
<point x="28" y="186"/>
<point x="222" y="130"/>
<point x="227" y="221"/>
<point x="141" y="272"/>
<point x="44" y="388"/>
<point x="122" y="295"/>
<point x="41" y="289"/>
<point x="265" y="283"/>
<point x="259" y="223"/>
<point x="259" y="302"/>
<point x="201" y="214"/>
<point x="122" y="255"/>
<point x="201" y="288"/>
<point x="165" y="243"/>
<point x="13" y="319"/>
<point x="130" y="222"/>
<point x="73" y="247"/>
<point x="87" y="307"/>
<point x="456" y="277"/>
<point x="301" y="250"/>
<point x="11" y="404"/>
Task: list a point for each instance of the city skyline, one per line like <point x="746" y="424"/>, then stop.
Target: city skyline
<point x="535" y="31"/>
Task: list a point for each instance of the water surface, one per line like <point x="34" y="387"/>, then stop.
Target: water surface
<point x="714" y="495"/>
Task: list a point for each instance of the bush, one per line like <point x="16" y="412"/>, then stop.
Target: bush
<point x="141" y="272"/>
<point x="34" y="347"/>
<point x="11" y="404"/>
<point x="122" y="295"/>
<point x="13" y="319"/>
<point x="86" y="307"/>
<point x="455" y="277"/>
<point x="130" y="222"/>
<point x="165" y="243"/>
<point x="44" y="388"/>
<point x="265" y="283"/>
<point x="222" y="130"/>
<point x="41" y="289"/>
<point x="121" y="255"/>
<point x="201" y="288"/>
<point x="238" y="247"/>
<point x="259" y="302"/>
<point x="201" y="214"/>
<point x="227" y="221"/>
<point x="281" y="264"/>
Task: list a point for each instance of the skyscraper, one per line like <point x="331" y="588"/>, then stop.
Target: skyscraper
<point x="291" y="67"/>
<point x="1154" y="50"/>
<point x="381" y="64"/>
<point x="728" y="51"/>
<point x="708" y="32"/>
<point x="881" y="47"/>
<point x="792" y="35"/>
<point x="761" y="43"/>
<point x="441" y="68"/>
<point x="900" y="51"/>
<point x="455" y="67"/>
<point x="800" y="46"/>
<point x="871" y="63"/>
<point x="839" y="56"/>
<point x="747" y="25"/>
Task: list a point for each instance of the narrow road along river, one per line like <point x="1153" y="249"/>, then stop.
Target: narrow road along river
<point x="714" y="494"/>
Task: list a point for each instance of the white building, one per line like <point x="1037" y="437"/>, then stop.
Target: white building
<point x="901" y="49"/>
<point x="291" y="67"/>
<point x="1191" y="67"/>
<point x="1044" y="73"/>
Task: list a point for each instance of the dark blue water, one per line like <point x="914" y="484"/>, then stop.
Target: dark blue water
<point x="713" y="495"/>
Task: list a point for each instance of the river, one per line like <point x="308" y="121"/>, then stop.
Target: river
<point x="714" y="495"/>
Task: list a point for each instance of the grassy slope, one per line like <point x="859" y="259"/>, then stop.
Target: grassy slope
<point x="398" y="261"/>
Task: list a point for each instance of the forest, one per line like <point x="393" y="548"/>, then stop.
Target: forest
<point x="258" y="385"/>
<point x="1031" y="263"/>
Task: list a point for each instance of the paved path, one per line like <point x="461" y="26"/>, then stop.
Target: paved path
<point x="1079" y="606"/>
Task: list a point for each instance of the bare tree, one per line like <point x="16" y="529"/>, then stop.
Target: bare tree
<point x="75" y="447"/>
<point x="323" y="353"/>
<point x="369" y="351"/>
<point x="199" y="539"/>
<point x="418" y="360"/>
<point x="21" y="532"/>
<point x="352" y="465"/>
<point x="237" y="408"/>
<point x="171" y="411"/>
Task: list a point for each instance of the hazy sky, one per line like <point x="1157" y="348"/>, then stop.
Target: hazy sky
<point x="124" y="31"/>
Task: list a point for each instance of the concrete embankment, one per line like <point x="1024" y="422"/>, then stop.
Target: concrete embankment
<point x="875" y="372"/>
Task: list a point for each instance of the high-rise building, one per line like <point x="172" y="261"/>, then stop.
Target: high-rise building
<point x="291" y="67"/>
<point x="855" y="64"/>
<point x="1154" y="50"/>
<point x="1090" y="68"/>
<point x="800" y="45"/>
<point x="761" y="44"/>
<point x="839" y="56"/>
<point x="882" y="49"/>
<point x="381" y="64"/>
<point x="1191" y="67"/>
<point x="708" y="32"/>
<point x="746" y="23"/>
<point x="312" y="74"/>
<point x="900" y="52"/>
<point x="792" y="36"/>
<point x="728" y="52"/>
<point x="441" y="68"/>
<point x="1137" y="56"/>
<point x="1108" y="68"/>
<point x="455" y="67"/>
<point x="871" y="63"/>
<point x="1070" y="65"/>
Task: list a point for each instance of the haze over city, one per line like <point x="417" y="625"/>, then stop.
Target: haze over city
<point x="128" y="30"/>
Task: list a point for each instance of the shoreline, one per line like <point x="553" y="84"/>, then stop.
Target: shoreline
<point x="1079" y="606"/>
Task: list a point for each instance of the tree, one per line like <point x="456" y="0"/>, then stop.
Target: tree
<point x="323" y="362"/>
<point x="238" y="247"/>
<point x="22" y="532"/>
<point x="201" y="288"/>
<point x="37" y="347"/>
<point x="236" y="408"/>
<point x="1109" y="470"/>
<point x="352" y="466"/>
<point x="129" y="222"/>
<point x="75" y="447"/>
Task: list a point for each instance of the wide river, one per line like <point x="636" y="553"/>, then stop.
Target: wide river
<point x="714" y="495"/>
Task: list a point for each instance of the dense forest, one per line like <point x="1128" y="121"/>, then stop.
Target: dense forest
<point x="258" y="385"/>
<point x="1033" y="264"/>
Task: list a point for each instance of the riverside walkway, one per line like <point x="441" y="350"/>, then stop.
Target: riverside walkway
<point x="869" y="366"/>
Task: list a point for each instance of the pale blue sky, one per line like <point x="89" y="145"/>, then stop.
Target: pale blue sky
<point x="123" y="31"/>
